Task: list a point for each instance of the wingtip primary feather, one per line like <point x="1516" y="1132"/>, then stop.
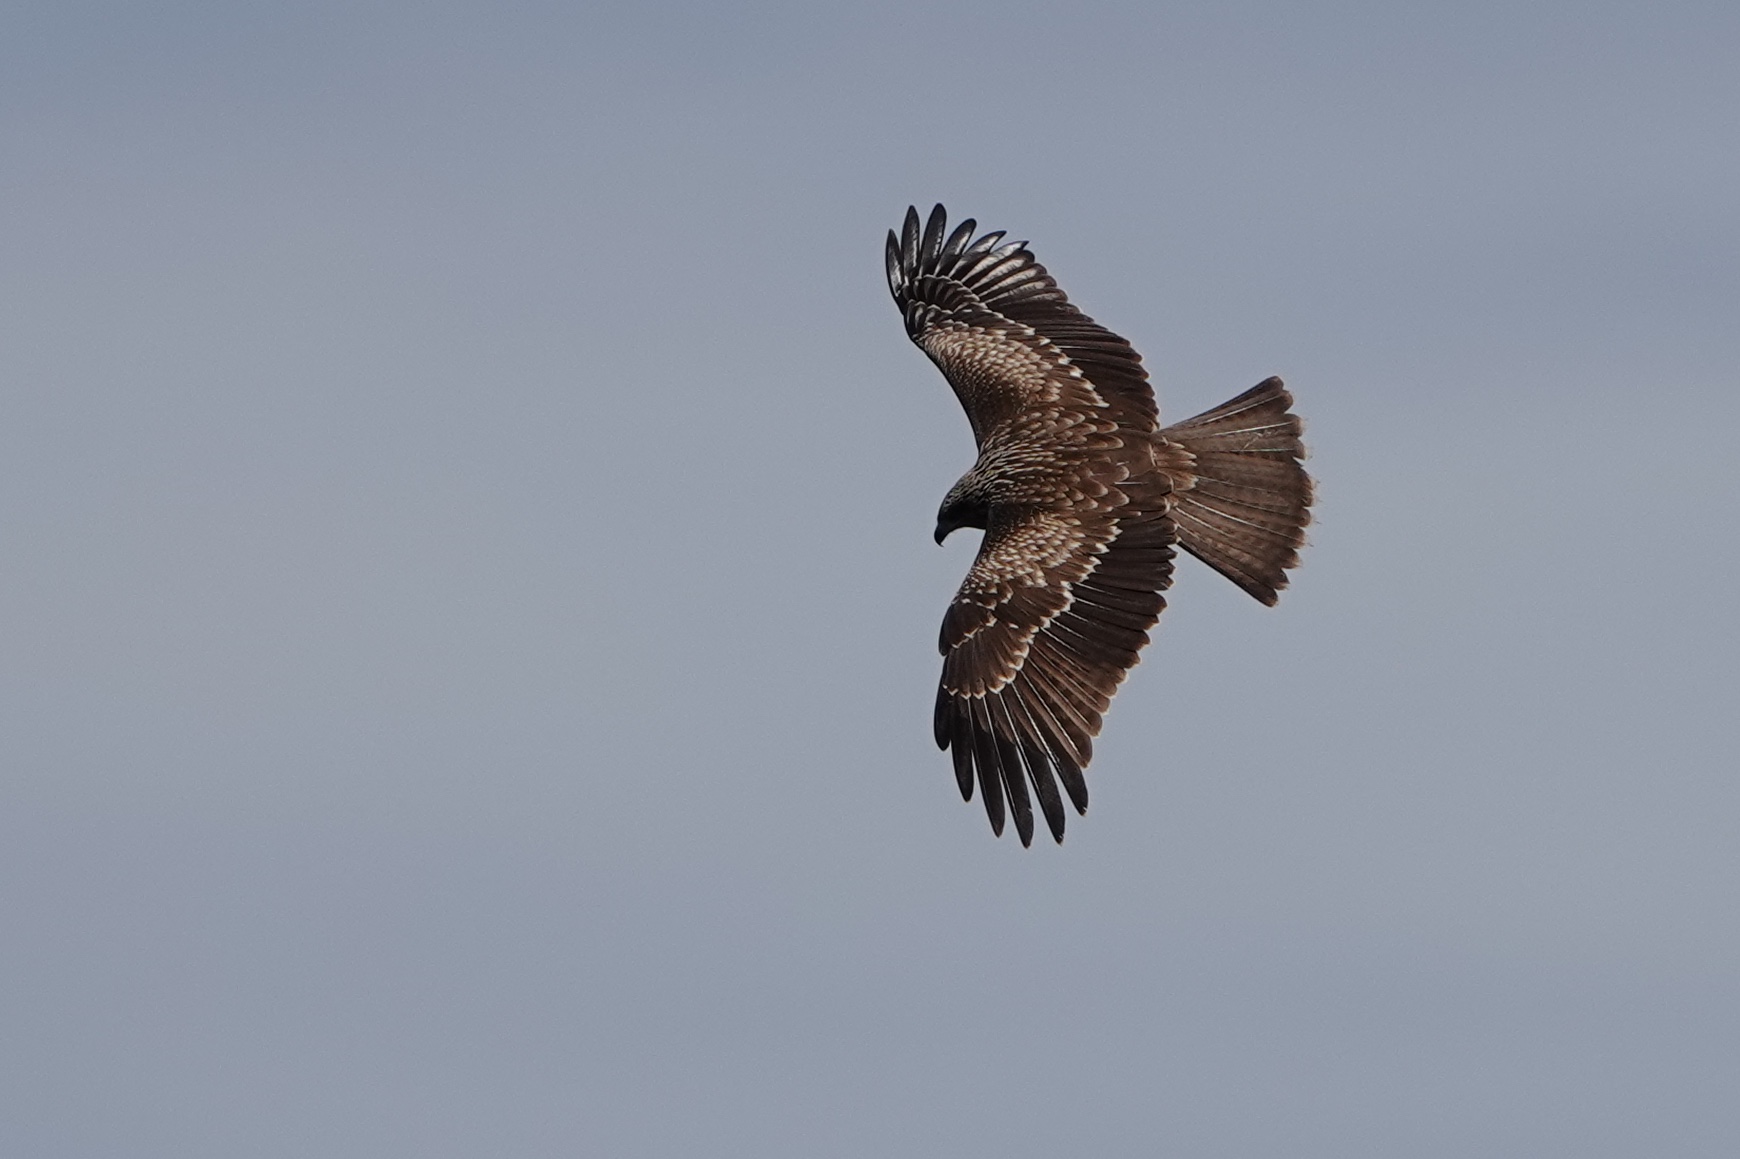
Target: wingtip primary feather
<point x="957" y="241"/>
<point x="931" y="246"/>
<point x="909" y="239"/>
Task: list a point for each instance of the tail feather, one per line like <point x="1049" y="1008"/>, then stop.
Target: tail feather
<point x="1246" y="513"/>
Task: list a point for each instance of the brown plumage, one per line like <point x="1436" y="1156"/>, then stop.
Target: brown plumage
<point x="1082" y="498"/>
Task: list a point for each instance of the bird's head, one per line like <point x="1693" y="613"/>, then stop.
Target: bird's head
<point x="960" y="510"/>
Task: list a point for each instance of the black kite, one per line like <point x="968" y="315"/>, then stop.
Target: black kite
<point x="1082" y="497"/>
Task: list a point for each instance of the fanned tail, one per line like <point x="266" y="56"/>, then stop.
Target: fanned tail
<point x="1246" y="514"/>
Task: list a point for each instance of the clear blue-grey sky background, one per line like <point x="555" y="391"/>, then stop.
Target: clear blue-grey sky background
<point x="468" y="606"/>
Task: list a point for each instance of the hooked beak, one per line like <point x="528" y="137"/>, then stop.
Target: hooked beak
<point x="942" y="532"/>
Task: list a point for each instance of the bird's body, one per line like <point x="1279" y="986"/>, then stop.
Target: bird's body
<point x="1082" y="498"/>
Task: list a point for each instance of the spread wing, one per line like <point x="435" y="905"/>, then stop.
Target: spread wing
<point x="1003" y="334"/>
<point x="1037" y="640"/>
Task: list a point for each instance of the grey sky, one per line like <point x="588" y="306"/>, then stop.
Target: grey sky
<point x="468" y="612"/>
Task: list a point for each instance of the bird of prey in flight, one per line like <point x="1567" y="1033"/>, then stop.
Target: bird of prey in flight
<point x="1082" y="497"/>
